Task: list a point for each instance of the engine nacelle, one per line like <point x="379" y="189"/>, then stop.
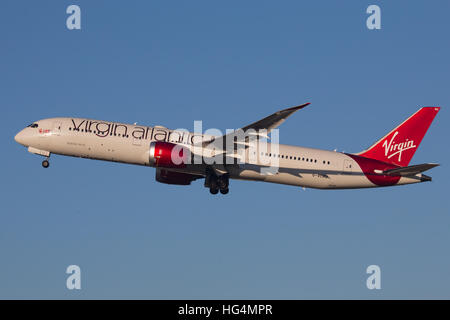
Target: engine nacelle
<point x="172" y="177"/>
<point x="168" y="155"/>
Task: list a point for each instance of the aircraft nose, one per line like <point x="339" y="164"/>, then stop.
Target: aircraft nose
<point x="20" y="138"/>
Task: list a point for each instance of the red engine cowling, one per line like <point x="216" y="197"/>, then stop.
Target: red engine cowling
<point x="172" y="177"/>
<point x="168" y="155"/>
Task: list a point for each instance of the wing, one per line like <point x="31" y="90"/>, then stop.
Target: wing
<point x="274" y="120"/>
<point x="268" y="123"/>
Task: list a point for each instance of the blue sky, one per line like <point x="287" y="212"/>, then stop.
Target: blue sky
<point x="228" y="64"/>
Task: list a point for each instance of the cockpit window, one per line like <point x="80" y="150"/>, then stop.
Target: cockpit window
<point x="33" y="125"/>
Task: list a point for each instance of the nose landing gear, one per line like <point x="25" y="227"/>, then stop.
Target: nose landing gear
<point x="45" y="163"/>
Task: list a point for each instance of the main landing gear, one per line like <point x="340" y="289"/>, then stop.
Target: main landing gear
<point x="217" y="183"/>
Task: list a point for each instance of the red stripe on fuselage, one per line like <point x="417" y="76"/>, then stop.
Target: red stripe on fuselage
<point x="368" y="167"/>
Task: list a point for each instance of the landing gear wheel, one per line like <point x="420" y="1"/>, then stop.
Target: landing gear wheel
<point x="45" y="163"/>
<point x="216" y="183"/>
<point x="223" y="182"/>
<point x="213" y="188"/>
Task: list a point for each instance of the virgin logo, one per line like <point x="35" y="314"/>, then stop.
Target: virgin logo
<point x="392" y="148"/>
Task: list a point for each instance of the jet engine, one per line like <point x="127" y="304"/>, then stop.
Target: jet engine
<point x="168" y="155"/>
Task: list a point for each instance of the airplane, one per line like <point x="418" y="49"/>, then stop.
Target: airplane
<point x="181" y="157"/>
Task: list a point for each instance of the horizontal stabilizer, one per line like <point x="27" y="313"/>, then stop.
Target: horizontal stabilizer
<point x="411" y="170"/>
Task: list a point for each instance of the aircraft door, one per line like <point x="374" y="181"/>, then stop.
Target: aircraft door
<point x="348" y="166"/>
<point x="56" y="130"/>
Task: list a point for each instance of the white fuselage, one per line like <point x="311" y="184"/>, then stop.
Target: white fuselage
<point x="128" y="143"/>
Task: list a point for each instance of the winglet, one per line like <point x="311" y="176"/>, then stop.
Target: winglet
<point x="296" y="107"/>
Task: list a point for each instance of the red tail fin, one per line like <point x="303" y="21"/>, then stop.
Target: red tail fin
<point x="399" y="145"/>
